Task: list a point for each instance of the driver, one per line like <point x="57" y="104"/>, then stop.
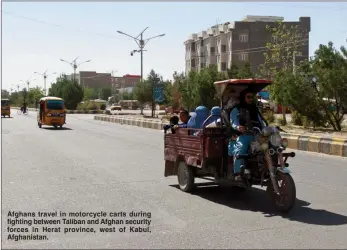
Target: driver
<point x="253" y="119"/>
<point x="24" y="107"/>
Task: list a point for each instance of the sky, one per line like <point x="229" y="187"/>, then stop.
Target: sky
<point x="36" y="35"/>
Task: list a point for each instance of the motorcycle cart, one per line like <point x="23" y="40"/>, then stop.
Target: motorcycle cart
<point x="205" y="154"/>
<point x="51" y="112"/>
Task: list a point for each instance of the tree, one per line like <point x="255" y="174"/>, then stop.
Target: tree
<point x="105" y="93"/>
<point x="143" y="93"/>
<point x="330" y="68"/>
<point x="34" y="95"/>
<point x="168" y="88"/>
<point x="69" y="90"/>
<point x="126" y="95"/>
<point x="234" y="72"/>
<point x="155" y="81"/>
<point x="280" y="58"/>
<point x="90" y="94"/>
<point x="188" y="89"/>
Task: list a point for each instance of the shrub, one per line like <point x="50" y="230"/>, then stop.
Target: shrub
<point x="269" y="116"/>
<point x="103" y="106"/>
<point x="281" y="121"/>
<point x="297" y="119"/>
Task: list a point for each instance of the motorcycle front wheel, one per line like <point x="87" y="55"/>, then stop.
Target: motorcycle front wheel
<point x="286" y="200"/>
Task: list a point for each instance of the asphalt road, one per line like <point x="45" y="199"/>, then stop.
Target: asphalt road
<point x="94" y="165"/>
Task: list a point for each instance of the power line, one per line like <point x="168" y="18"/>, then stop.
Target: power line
<point x="332" y="8"/>
<point x="57" y="25"/>
<point x="264" y="49"/>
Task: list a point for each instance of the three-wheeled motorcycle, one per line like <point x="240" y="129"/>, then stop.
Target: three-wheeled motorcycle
<point x="205" y="154"/>
<point x="5" y="108"/>
<point x="51" y="112"/>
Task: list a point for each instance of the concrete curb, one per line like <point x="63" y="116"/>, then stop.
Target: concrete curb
<point x="324" y="145"/>
<point x="72" y="111"/>
<point x="140" y="122"/>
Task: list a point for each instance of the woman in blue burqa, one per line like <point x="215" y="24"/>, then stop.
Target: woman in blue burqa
<point x="215" y="116"/>
<point x="197" y="119"/>
<point x="243" y="118"/>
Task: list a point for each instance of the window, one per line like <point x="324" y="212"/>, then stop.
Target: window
<point x="193" y="47"/>
<point x="55" y="104"/>
<point x="243" y="56"/>
<point x="213" y="50"/>
<point x="202" y="42"/>
<point x="202" y="65"/>
<point x="224" y="66"/>
<point x="224" y="48"/>
<point x="201" y="54"/>
<point x="274" y="39"/>
<point x="192" y="63"/>
<point x="243" y="38"/>
<point x="298" y="53"/>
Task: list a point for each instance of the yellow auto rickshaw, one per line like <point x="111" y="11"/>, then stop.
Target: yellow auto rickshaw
<point x="5" y="108"/>
<point x="51" y="112"/>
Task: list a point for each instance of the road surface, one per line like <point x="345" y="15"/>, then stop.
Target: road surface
<point x="94" y="165"/>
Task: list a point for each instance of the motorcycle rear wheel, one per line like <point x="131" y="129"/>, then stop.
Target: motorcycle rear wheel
<point x="286" y="200"/>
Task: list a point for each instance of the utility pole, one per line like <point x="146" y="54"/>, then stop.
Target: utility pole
<point x="44" y="74"/>
<point x="142" y="43"/>
<point x="74" y="65"/>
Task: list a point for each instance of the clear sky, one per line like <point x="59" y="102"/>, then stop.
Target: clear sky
<point x="36" y="35"/>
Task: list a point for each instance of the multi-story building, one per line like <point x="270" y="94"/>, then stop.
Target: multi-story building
<point x="238" y="43"/>
<point x="92" y="79"/>
<point x="125" y="83"/>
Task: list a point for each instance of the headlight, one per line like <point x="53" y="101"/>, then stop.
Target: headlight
<point x="267" y="131"/>
<point x="276" y="140"/>
<point x="49" y="114"/>
<point x="284" y="142"/>
<point x="264" y="146"/>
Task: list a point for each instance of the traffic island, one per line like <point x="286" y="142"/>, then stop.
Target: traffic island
<point x="132" y="121"/>
<point x="72" y="111"/>
<point x="304" y="142"/>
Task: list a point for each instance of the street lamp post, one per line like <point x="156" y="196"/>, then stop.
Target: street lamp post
<point x="44" y="80"/>
<point x="74" y="65"/>
<point x="142" y="43"/>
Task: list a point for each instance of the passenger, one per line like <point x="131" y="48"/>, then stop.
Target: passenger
<point x="215" y="117"/>
<point x="184" y="117"/>
<point x="173" y="122"/>
<point x="240" y="147"/>
<point x="197" y="120"/>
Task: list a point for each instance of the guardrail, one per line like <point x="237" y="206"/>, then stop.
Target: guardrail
<point x="331" y="146"/>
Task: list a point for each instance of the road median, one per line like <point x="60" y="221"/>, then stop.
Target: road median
<point x="72" y="111"/>
<point x="312" y="143"/>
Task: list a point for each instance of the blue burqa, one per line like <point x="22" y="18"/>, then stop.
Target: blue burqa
<point x="215" y="115"/>
<point x="197" y="120"/>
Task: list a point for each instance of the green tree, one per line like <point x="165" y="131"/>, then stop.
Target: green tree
<point x="143" y="93"/>
<point x="105" y="93"/>
<point x="90" y="94"/>
<point x="188" y="89"/>
<point x="233" y="72"/>
<point x="127" y="95"/>
<point x="34" y="95"/>
<point x="168" y="91"/>
<point x="155" y="81"/>
<point x="69" y="90"/>
<point x="329" y="66"/>
<point x="246" y="72"/>
<point x="286" y="42"/>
